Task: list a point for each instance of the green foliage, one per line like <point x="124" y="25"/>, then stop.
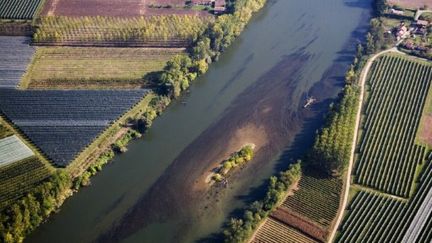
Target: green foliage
<point x="84" y="179"/>
<point x="120" y="144"/>
<point x="180" y="72"/>
<point x="239" y="230"/>
<point x="332" y="148"/>
<point x="18" y="178"/>
<point x="161" y="28"/>
<point x="20" y="218"/>
<point x="376" y="38"/>
<point x="236" y="159"/>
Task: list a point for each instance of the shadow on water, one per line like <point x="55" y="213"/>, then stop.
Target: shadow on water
<point x="259" y="115"/>
<point x="299" y="147"/>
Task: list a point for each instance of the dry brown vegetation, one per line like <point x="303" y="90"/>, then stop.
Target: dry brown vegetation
<point x="83" y="67"/>
<point x="115" y="8"/>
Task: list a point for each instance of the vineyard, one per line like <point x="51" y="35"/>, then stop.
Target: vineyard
<point x="317" y="199"/>
<point x="153" y="31"/>
<point x="18" y="9"/>
<point x="96" y="67"/>
<point x="388" y="156"/>
<point x="273" y="231"/>
<point x="373" y="217"/>
<point x="12" y="149"/>
<point x="15" y="54"/>
<point x="63" y="123"/>
<point x="19" y="177"/>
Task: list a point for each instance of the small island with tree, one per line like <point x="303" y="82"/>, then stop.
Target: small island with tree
<point x="236" y="159"/>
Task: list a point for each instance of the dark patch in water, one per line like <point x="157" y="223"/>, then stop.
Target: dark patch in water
<point x="265" y="104"/>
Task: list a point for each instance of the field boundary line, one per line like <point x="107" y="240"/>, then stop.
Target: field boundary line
<point x="347" y="184"/>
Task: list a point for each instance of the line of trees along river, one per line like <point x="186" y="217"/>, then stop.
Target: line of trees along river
<point x="254" y="93"/>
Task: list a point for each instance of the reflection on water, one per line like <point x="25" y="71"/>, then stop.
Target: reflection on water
<point x="255" y="93"/>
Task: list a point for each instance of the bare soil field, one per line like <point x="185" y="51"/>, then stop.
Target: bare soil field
<point x="300" y="223"/>
<point x="411" y="3"/>
<point x="425" y="135"/>
<point x="115" y="8"/>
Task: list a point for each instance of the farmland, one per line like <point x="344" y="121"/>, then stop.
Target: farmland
<point x="424" y="135"/>
<point x="18" y="9"/>
<point x="84" y="67"/>
<point x="153" y="31"/>
<point x="12" y="149"/>
<point x="388" y="156"/>
<point x="277" y="232"/>
<point x="317" y="199"/>
<point x="113" y="8"/>
<point x="62" y="123"/>
<point x="15" y="54"/>
<point x="392" y="220"/>
<point x="20" y="177"/>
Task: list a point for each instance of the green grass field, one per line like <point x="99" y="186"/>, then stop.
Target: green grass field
<point x="85" y="67"/>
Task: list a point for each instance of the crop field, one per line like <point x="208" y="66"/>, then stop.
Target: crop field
<point x="374" y="217"/>
<point x="100" y="67"/>
<point x="19" y="177"/>
<point x="388" y="156"/>
<point x="18" y="9"/>
<point x="153" y="31"/>
<point x="273" y="231"/>
<point x="63" y="123"/>
<point x="318" y="199"/>
<point x="113" y="8"/>
<point x="15" y="54"/>
<point x="424" y="135"/>
<point x="12" y="149"/>
<point x="414" y="4"/>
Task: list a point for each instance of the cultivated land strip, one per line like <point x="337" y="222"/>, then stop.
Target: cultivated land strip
<point x="347" y="184"/>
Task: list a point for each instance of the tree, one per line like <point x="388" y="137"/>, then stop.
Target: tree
<point x="350" y="76"/>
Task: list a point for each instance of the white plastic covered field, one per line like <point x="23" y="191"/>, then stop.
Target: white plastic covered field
<point x="12" y="149"/>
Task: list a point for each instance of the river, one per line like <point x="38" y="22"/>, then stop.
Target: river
<point x="255" y="93"/>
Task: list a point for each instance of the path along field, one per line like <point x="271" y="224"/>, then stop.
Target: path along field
<point x="388" y="155"/>
<point x="95" y="67"/>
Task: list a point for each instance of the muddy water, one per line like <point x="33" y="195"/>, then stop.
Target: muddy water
<point x="156" y="192"/>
